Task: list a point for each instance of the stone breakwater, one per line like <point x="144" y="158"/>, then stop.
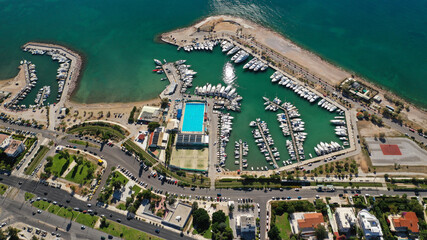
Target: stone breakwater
<point x="72" y="77"/>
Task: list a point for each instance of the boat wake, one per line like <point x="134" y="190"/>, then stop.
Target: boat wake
<point x="228" y="74"/>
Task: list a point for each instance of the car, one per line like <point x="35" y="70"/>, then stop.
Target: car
<point x="218" y="194"/>
<point x="289" y="198"/>
<point x="118" y="220"/>
<point x="299" y="197"/>
<point x="157" y="230"/>
<point x="193" y="188"/>
<point x="34" y="213"/>
<point x="39" y="211"/>
<point x="317" y="196"/>
<point x="83" y="227"/>
<point x="20" y="183"/>
<point x="54" y="202"/>
<point x="110" y="237"/>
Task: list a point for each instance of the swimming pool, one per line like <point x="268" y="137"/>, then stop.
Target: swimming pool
<point x="193" y="117"/>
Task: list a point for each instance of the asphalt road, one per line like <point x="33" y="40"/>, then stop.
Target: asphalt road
<point x="62" y="196"/>
<point x="114" y="156"/>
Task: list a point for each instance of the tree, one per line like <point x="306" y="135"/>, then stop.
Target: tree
<point x="164" y="102"/>
<point x="12" y="233"/>
<point x="152" y="126"/>
<point x="2" y="235"/>
<point x="218" y="217"/>
<point x="195" y="206"/>
<point x="274" y="233"/>
<point x="146" y="194"/>
<point x="320" y="232"/>
<point x="116" y="184"/>
<point x="104" y="223"/>
<point x="231" y="208"/>
<point x="201" y="220"/>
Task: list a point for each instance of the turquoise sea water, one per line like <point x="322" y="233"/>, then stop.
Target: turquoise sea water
<point x="193" y="117"/>
<point x="382" y="40"/>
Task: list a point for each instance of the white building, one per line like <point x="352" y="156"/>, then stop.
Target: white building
<point x="370" y="225"/>
<point x="246" y="225"/>
<point x="345" y="218"/>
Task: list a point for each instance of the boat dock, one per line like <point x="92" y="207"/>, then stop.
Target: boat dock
<point x="288" y="120"/>
<point x="240" y="156"/>
<point x="273" y="158"/>
<point x="173" y="78"/>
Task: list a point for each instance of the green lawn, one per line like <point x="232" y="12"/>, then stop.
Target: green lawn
<point x="3" y="188"/>
<point x="284" y="226"/>
<point x="120" y="177"/>
<point x="136" y="189"/>
<point x="28" y="196"/>
<point x="87" y="219"/>
<point x="121" y="206"/>
<point x="83" y="143"/>
<point x="349" y="184"/>
<point x="79" y="174"/>
<point x="58" y="164"/>
<point x="41" y="205"/>
<point x="127" y="233"/>
<point x="53" y="209"/>
<point x="37" y="159"/>
<point x="65" y="213"/>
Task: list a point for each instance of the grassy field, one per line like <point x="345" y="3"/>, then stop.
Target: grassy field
<point x="28" y="196"/>
<point x="120" y="177"/>
<point x="191" y="159"/>
<point x="83" y="143"/>
<point x="127" y="233"/>
<point x="53" y="209"/>
<point x="3" y="188"/>
<point x="86" y="219"/>
<point x="284" y="226"/>
<point x="121" y="206"/>
<point x="136" y="189"/>
<point x="58" y="164"/>
<point x="41" y="205"/>
<point x="66" y="213"/>
<point x="37" y="159"/>
<point x="79" y="174"/>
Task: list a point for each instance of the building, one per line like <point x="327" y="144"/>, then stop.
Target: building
<point x="406" y="223"/>
<point x="149" y="114"/>
<point x="158" y="139"/>
<point x="15" y="148"/>
<point x="192" y="140"/>
<point x="246" y="226"/>
<point x="345" y="218"/>
<point x="179" y="217"/>
<point x="305" y="223"/>
<point x="370" y="225"/>
<point x="10" y="146"/>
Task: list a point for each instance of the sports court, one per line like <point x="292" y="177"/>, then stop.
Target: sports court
<point x="190" y="159"/>
<point x="396" y="151"/>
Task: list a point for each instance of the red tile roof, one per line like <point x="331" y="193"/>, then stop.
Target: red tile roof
<point x="311" y="220"/>
<point x="408" y="220"/>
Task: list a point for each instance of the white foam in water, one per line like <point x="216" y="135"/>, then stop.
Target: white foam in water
<point x="228" y="74"/>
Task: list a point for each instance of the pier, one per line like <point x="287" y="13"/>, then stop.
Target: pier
<point x="290" y="127"/>
<point x="273" y="158"/>
<point x="173" y="78"/>
<point x="240" y="156"/>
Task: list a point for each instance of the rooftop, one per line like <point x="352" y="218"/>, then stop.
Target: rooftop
<point x="180" y="215"/>
<point x="310" y="220"/>
<point x="408" y="220"/>
<point x="13" y="146"/>
<point x="3" y="137"/>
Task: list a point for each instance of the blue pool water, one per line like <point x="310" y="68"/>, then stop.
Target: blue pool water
<point x="193" y="117"/>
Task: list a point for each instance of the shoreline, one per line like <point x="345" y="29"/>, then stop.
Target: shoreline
<point x="328" y="71"/>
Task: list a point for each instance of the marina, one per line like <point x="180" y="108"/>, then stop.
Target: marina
<point x="265" y="143"/>
<point x="295" y="148"/>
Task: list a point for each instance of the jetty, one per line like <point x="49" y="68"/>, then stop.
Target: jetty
<point x="173" y="78"/>
<point x="261" y="130"/>
<point x="288" y="120"/>
<point x="240" y="156"/>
